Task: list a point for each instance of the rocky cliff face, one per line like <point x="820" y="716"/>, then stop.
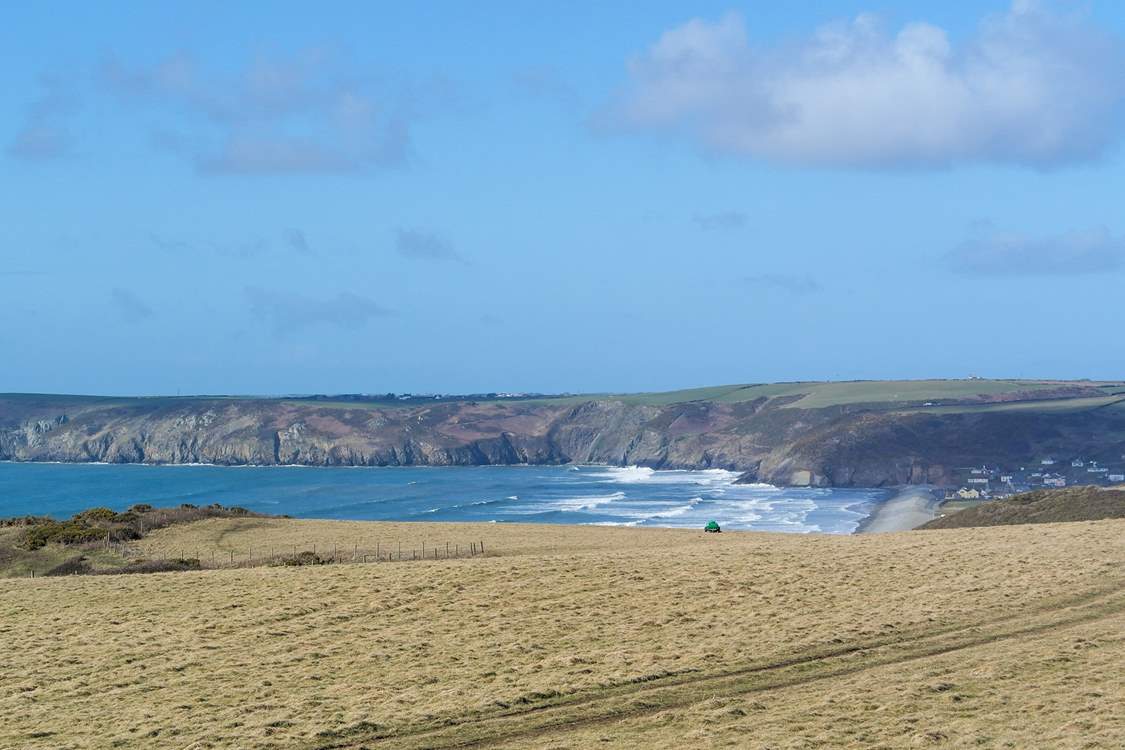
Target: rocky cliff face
<point x="767" y="439"/>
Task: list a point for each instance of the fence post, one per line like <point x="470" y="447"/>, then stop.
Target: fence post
<point x="376" y="549"/>
<point x="355" y="551"/>
<point x="335" y="557"/>
<point x="482" y="547"/>
<point x="250" y="553"/>
<point x="232" y="557"/>
<point x="447" y="550"/>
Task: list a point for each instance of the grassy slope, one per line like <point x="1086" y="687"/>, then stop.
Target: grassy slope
<point x="574" y="637"/>
<point x="814" y="394"/>
<point x="16" y="562"/>
<point x="1040" y="506"/>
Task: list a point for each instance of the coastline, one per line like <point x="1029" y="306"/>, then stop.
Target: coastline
<point x="908" y="508"/>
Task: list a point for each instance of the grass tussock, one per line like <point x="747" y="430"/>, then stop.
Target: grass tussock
<point x="575" y="637"/>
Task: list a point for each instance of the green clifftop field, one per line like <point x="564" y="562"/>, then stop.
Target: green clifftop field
<point x="568" y="637"/>
<point x="1041" y="506"/>
<point x="867" y="433"/>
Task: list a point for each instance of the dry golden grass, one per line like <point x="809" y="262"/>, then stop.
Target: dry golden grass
<point x="575" y="637"/>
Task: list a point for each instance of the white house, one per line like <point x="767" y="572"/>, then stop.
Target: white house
<point x="1077" y="463"/>
<point x="1048" y="462"/>
<point x="1117" y="477"/>
<point x="1054" y="481"/>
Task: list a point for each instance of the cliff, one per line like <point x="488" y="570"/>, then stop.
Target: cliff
<point x="791" y="435"/>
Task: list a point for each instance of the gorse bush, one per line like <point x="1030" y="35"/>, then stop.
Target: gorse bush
<point x="54" y="532"/>
<point x="104" y="524"/>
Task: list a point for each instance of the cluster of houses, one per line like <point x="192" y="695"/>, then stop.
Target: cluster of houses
<point x="984" y="482"/>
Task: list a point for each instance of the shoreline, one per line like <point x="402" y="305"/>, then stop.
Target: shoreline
<point x="908" y="508"/>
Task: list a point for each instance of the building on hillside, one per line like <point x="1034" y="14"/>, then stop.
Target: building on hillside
<point x="1054" y="481"/>
<point x="1117" y="477"/>
<point x="966" y="494"/>
<point x="1006" y="478"/>
<point x="1048" y="462"/>
<point x="1077" y="463"/>
<point x="977" y="480"/>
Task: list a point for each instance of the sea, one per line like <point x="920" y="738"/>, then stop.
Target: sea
<point x="597" y="495"/>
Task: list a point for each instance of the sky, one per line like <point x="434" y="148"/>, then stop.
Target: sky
<point x="450" y="197"/>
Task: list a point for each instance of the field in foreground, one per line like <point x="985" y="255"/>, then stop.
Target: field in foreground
<point x="576" y="637"/>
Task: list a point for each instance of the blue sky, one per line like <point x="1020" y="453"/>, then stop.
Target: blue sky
<point x="455" y="197"/>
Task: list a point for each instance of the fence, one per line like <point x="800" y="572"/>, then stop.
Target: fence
<point x="310" y="553"/>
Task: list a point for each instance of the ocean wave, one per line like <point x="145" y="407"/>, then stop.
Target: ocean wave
<point x="588" y="503"/>
<point x="679" y="511"/>
<point x="645" y="475"/>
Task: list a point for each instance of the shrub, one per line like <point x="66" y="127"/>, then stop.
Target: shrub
<point x="140" y="508"/>
<point x="96" y="515"/>
<point x="303" y="558"/>
<point x="67" y="532"/>
<point x="73" y="566"/>
<point x="156" y="566"/>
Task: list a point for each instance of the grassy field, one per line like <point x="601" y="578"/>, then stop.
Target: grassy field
<point x="578" y="637"/>
<point x="814" y="394"/>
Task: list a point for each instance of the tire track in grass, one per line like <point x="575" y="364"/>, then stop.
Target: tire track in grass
<point x="550" y="714"/>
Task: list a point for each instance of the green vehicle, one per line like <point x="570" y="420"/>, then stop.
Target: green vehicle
<point x="712" y="527"/>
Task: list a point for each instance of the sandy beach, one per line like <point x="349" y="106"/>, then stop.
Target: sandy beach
<point x="909" y="508"/>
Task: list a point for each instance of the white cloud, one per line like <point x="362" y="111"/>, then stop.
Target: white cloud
<point x="130" y="307"/>
<point x="287" y="312"/>
<point x="721" y="220"/>
<point x="298" y="114"/>
<point x="995" y="253"/>
<point x="45" y="133"/>
<point x="1030" y="86"/>
<point x="423" y="245"/>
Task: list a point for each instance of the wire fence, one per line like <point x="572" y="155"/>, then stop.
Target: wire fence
<point x="310" y="553"/>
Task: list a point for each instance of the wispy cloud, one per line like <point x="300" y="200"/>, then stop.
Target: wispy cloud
<point x="283" y="115"/>
<point x="545" y="82"/>
<point x="792" y="284"/>
<point x="994" y="253"/>
<point x="1029" y="87"/>
<point x="721" y="220"/>
<point x="45" y="133"/>
<point x="129" y="306"/>
<point x="424" y="245"/>
<point x="297" y="241"/>
<point x="287" y="312"/>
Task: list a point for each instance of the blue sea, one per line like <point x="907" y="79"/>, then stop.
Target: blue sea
<point x="630" y="496"/>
